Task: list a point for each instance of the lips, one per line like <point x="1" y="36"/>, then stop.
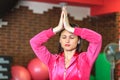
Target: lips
<point x="67" y="45"/>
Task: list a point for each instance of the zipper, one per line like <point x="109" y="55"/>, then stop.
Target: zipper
<point x="64" y="74"/>
<point x="79" y="70"/>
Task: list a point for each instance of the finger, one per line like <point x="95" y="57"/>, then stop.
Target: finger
<point x="64" y="7"/>
<point x="65" y="12"/>
<point x="62" y="15"/>
<point x="65" y="15"/>
<point x="61" y="19"/>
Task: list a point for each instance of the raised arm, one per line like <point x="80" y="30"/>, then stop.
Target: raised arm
<point x="37" y="42"/>
<point x="59" y="27"/>
<point x="95" y="42"/>
<point x="94" y="39"/>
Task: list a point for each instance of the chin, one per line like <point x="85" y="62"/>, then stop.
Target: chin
<point x="69" y="49"/>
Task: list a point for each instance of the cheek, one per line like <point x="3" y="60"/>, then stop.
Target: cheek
<point x="61" y="41"/>
<point x="74" y="43"/>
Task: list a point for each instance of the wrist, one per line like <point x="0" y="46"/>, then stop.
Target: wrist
<point x="56" y="29"/>
<point x="71" y="29"/>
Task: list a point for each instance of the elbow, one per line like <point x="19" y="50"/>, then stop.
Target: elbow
<point x="100" y="38"/>
<point x="31" y="41"/>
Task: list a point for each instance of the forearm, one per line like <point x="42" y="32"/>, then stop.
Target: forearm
<point x="42" y="37"/>
<point x="95" y="42"/>
<point x="38" y="47"/>
<point x="87" y="34"/>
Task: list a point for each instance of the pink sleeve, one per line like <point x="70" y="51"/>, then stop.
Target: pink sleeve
<point x="95" y="42"/>
<point x="37" y="44"/>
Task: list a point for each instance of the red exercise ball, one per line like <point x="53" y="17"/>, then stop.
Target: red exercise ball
<point x="20" y="73"/>
<point x="38" y="70"/>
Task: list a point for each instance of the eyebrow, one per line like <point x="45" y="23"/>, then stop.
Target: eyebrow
<point x="69" y="35"/>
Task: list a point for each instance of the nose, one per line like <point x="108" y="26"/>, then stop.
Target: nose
<point x="67" y="40"/>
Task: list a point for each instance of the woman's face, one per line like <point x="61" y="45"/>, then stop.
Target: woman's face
<point x="68" y="41"/>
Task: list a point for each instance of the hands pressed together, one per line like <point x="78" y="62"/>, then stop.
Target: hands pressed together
<point x="63" y="22"/>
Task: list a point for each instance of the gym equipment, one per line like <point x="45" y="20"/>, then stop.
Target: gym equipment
<point x="20" y="73"/>
<point x="38" y="70"/>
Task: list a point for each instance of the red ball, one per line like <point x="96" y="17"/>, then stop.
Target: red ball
<point x="38" y="70"/>
<point x="20" y="73"/>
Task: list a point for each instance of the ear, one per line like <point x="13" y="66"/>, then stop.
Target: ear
<point x="59" y="41"/>
<point x="79" y="41"/>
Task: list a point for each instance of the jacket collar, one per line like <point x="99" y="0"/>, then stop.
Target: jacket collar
<point x="62" y="54"/>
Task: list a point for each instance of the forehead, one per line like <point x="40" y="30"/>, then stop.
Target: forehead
<point x="65" y="32"/>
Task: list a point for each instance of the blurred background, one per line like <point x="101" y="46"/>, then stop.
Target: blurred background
<point x="20" y="20"/>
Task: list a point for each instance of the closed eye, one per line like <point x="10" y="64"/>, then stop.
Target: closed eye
<point x="63" y="37"/>
<point x="72" y="36"/>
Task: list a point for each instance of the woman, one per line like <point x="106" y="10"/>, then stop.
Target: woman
<point x="68" y="64"/>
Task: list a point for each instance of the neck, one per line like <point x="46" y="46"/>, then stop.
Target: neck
<point x="69" y="54"/>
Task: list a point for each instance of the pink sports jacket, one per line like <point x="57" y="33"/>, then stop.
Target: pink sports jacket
<point x="80" y="65"/>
